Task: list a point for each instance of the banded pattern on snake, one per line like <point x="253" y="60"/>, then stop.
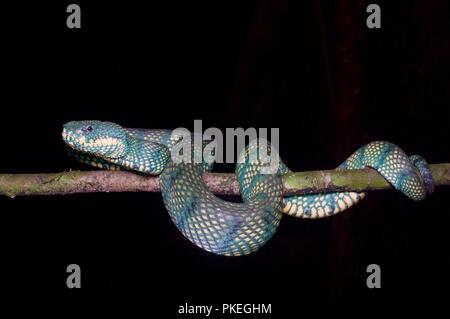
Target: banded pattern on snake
<point x="227" y="228"/>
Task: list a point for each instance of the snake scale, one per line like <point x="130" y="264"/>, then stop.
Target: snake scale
<point x="228" y="228"/>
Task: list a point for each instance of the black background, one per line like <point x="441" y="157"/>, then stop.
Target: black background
<point x="311" y="68"/>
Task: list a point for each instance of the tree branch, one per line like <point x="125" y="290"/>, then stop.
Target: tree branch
<point x="73" y="182"/>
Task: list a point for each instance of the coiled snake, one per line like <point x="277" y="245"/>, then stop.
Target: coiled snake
<point x="228" y="228"/>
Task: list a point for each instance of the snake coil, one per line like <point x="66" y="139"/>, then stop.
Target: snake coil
<point x="222" y="227"/>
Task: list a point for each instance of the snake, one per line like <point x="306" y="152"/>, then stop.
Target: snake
<point x="212" y="223"/>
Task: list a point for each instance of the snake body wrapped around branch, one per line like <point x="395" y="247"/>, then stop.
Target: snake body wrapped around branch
<point x="223" y="227"/>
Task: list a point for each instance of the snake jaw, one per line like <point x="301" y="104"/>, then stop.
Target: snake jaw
<point x="68" y="139"/>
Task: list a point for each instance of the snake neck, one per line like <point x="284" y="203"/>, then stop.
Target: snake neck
<point x="144" y="156"/>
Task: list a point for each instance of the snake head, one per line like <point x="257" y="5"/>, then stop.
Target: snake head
<point x="102" y="139"/>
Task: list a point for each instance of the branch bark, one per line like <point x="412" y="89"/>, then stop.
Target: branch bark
<point x="73" y="182"/>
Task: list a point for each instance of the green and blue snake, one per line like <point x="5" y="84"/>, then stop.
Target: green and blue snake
<point x="228" y="228"/>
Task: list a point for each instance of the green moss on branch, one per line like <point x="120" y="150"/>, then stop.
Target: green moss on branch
<point x="72" y="182"/>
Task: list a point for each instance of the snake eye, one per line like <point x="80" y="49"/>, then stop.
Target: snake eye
<point x="87" y="128"/>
